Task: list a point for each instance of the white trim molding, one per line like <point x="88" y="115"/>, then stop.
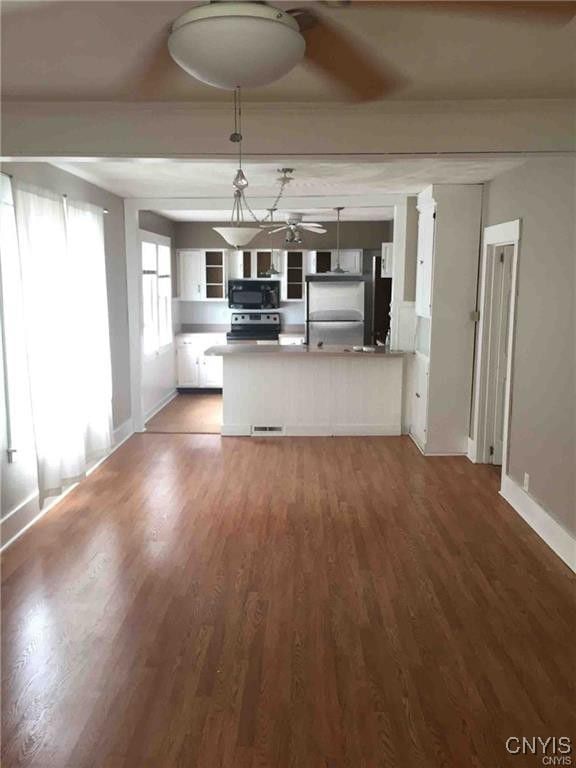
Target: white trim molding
<point x="507" y="233"/>
<point x="22" y="517"/>
<point x="551" y="532"/>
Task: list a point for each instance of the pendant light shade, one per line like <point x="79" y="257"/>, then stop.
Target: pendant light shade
<point x="238" y="236"/>
<point x="229" y="44"/>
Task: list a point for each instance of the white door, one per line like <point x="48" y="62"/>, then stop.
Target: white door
<point x="501" y="283"/>
<point x="426" y="222"/>
<point x="192" y="275"/>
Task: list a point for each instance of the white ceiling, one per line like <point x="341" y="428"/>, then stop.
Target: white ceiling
<point x="80" y="50"/>
<point x="367" y="182"/>
<point x="367" y="213"/>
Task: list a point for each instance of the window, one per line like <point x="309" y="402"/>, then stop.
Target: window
<point x="156" y="296"/>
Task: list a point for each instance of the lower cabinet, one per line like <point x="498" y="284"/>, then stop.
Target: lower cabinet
<point x="194" y="368"/>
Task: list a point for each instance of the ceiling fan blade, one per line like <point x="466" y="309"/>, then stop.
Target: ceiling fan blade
<point x="159" y="76"/>
<point x="333" y="52"/>
<point x="318" y="230"/>
<point x="274" y="231"/>
<point x="530" y="11"/>
<point x="312" y="224"/>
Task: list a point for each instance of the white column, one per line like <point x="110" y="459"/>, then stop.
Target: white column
<point x="402" y="317"/>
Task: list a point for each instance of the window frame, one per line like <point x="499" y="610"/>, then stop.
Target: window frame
<point x="158" y="241"/>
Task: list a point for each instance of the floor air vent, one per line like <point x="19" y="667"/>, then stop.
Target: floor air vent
<point x="267" y="431"/>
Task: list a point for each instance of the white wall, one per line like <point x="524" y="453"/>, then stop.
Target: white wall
<point x="107" y="129"/>
<point x="543" y="419"/>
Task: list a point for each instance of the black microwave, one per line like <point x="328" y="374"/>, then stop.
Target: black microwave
<point x="253" y="294"/>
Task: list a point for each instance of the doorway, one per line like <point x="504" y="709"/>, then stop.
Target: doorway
<point x="495" y="340"/>
<point x="501" y="257"/>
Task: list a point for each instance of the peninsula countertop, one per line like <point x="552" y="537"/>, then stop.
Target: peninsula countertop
<point x="297" y="350"/>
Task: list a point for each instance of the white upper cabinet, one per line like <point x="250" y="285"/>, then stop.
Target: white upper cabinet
<point x="293" y="265"/>
<point x="424" y="266"/>
<point x="192" y="279"/>
<point x="350" y="260"/>
<point x="203" y="274"/>
<point x="320" y="262"/>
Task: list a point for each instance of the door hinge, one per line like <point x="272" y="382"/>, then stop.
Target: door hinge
<point x="502" y="257"/>
<point x="491" y="450"/>
<point x="434" y="215"/>
<point x="475" y="315"/>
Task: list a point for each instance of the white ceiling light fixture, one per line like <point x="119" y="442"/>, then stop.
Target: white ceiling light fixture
<point x="229" y="44"/>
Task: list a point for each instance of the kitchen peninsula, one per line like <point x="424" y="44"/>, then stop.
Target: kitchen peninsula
<point x="301" y="390"/>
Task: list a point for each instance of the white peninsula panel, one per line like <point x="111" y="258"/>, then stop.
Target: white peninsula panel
<point x="291" y="391"/>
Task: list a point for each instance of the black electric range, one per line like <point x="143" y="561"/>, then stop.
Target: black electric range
<point x="254" y="326"/>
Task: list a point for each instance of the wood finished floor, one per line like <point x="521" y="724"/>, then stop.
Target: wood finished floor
<point x="193" y="413"/>
<point x="283" y="603"/>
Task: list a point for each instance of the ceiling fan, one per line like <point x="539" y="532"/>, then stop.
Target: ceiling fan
<point x="230" y="44"/>
<point x="294" y="226"/>
<point x="249" y="44"/>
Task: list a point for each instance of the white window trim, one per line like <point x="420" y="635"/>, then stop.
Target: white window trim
<point x="153" y="237"/>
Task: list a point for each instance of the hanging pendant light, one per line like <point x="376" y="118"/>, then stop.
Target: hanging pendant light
<point x="272" y="272"/>
<point x="338" y="269"/>
<point x="239" y="234"/>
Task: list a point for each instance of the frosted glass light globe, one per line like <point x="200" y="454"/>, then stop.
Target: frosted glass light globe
<point x="236" y="44"/>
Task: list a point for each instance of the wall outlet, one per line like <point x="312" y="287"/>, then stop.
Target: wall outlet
<point x="526" y="483"/>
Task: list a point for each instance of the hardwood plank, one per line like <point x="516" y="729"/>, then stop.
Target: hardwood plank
<point x="269" y="603"/>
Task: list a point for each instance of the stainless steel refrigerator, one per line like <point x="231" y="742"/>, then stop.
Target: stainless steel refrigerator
<point x="335" y="309"/>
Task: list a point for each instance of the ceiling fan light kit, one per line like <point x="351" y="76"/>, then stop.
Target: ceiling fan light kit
<point x="227" y="45"/>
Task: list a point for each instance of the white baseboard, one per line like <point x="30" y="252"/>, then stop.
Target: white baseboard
<point x="366" y="430"/>
<point x="551" y="532"/>
<point x="161" y="404"/>
<point x="22" y="517"/>
<point x="316" y="430"/>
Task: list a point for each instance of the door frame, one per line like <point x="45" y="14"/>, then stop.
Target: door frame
<point x="507" y="233"/>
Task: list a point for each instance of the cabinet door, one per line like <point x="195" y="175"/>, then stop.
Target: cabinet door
<point x="211" y="371"/>
<point x="350" y="260"/>
<point x="420" y="404"/>
<point x="188" y="374"/>
<point x="387" y="262"/>
<point x="192" y="277"/>
<point x="426" y="223"/>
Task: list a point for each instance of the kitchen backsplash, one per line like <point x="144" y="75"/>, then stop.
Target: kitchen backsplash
<point x="218" y="312"/>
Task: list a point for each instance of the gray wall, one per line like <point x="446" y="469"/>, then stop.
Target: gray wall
<point x="353" y="234"/>
<point x="543" y="418"/>
<point x="49" y="177"/>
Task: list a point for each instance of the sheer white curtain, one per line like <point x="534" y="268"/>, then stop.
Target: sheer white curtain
<point x="67" y="339"/>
